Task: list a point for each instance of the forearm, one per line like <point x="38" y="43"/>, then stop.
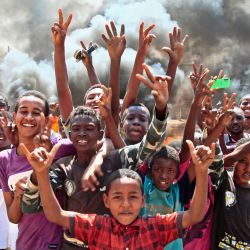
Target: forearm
<point x="114" y="83"/>
<point x="171" y="71"/>
<point x="14" y="210"/>
<point x="63" y="90"/>
<point x="197" y="208"/>
<point x="51" y="206"/>
<point x="189" y="130"/>
<point x="93" y="78"/>
<point x="133" y="83"/>
<point x="113" y="133"/>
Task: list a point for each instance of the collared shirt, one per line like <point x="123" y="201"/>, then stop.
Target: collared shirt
<point x="104" y="232"/>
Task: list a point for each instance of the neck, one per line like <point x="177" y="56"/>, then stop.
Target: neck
<point x="85" y="157"/>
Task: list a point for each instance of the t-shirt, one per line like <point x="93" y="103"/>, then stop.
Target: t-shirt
<point x="35" y="231"/>
<point x="104" y="232"/>
<point x="231" y="228"/>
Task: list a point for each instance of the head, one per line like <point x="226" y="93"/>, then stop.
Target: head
<point x="245" y="105"/>
<point x="124" y="195"/>
<point x="85" y="129"/>
<point x="92" y="95"/>
<point x="237" y="123"/>
<point x="135" y="123"/>
<point x="31" y="109"/>
<point x="4" y="103"/>
<point x="242" y="167"/>
<point x="164" y="167"/>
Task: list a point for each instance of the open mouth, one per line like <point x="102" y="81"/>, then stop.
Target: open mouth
<point x="28" y="125"/>
<point x="82" y="142"/>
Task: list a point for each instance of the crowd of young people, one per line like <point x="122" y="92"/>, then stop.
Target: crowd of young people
<point x="106" y="179"/>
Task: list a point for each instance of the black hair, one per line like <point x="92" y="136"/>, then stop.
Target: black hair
<point x="165" y="152"/>
<point x="247" y="96"/>
<point x="136" y="105"/>
<point x="37" y="94"/>
<point x="95" y="86"/>
<point x="86" y="111"/>
<point x="4" y="98"/>
<point x="121" y="173"/>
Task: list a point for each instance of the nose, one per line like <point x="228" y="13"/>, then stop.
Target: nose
<point x="136" y="121"/>
<point x="125" y="202"/>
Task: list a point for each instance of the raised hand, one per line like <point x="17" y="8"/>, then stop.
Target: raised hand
<point x="202" y="156"/>
<point x="87" y="58"/>
<point x="104" y="103"/>
<point x="115" y="43"/>
<point x="40" y="159"/>
<point x="195" y="75"/>
<point x="176" y="49"/>
<point x="43" y="138"/>
<point x="9" y="129"/>
<point x="158" y="86"/>
<point x="59" y="30"/>
<point x="145" y="39"/>
<point x="228" y="102"/>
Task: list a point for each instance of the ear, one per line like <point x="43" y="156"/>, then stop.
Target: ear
<point x="105" y="200"/>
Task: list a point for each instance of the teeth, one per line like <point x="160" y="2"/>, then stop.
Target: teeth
<point x="28" y="125"/>
<point x="82" y="141"/>
<point x="163" y="182"/>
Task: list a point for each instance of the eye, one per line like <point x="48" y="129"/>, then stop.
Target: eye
<point x="133" y="197"/>
<point x="116" y="197"/>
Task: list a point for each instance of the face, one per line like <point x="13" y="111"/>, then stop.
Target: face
<point x="4" y="143"/>
<point x="135" y="124"/>
<point x="29" y="116"/>
<point x="92" y="98"/>
<point x="245" y="106"/>
<point x="164" y="172"/>
<point x="3" y="104"/>
<point x="124" y="200"/>
<point x="242" y="172"/>
<point x="84" y="133"/>
<point x="237" y="124"/>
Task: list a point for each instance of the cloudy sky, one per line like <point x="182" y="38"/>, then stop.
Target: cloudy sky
<point x="218" y="37"/>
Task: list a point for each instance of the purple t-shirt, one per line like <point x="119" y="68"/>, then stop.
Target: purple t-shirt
<point x="35" y="231"/>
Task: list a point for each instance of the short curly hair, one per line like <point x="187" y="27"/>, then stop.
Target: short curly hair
<point x="86" y="111"/>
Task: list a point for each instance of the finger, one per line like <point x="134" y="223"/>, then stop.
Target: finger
<point x="175" y="33"/>
<point x="24" y="150"/>
<point x="213" y="149"/>
<point x="67" y="23"/>
<point x="145" y="81"/>
<point x="141" y="30"/>
<point x="54" y="150"/>
<point x="231" y="100"/>
<point x="178" y="34"/>
<point x="200" y="69"/>
<point x="184" y="39"/>
<point x="194" y="68"/>
<point x="94" y="180"/>
<point x="60" y="17"/>
<point x="221" y="72"/>
<point x="83" y="45"/>
<point x="112" y="24"/>
<point x="108" y="31"/>
<point x="147" y="30"/>
<point x="148" y="72"/>
<point x="122" y="31"/>
<point x="105" y="39"/>
<point x="171" y="40"/>
<point x="168" y="50"/>
<point x="191" y="149"/>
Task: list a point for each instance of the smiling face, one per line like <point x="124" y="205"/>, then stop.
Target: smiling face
<point x="124" y="199"/>
<point x="4" y="143"/>
<point x="135" y="124"/>
<point x="84" y="133"/>
<point x="163" y="172"/>
<point x="92" y="97"/>
<point x="242" y="172"/>
<point x="28" y="117"/>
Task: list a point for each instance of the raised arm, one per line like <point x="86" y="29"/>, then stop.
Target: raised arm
<point x="59" y="31"/>
<point x="202" y="158"/>
<point x="116" y="45"/>
<point x="145" y="40"/>
<point x="201" y="90"/>
<point x="87" y="62"/>
<point x="40" y="161"/>
<point x="175" y="52"/>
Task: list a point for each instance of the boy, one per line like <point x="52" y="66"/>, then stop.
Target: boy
<point x="124" y="198"/>
<point x="245" y="106"/>
<point x="232" y="198"/>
